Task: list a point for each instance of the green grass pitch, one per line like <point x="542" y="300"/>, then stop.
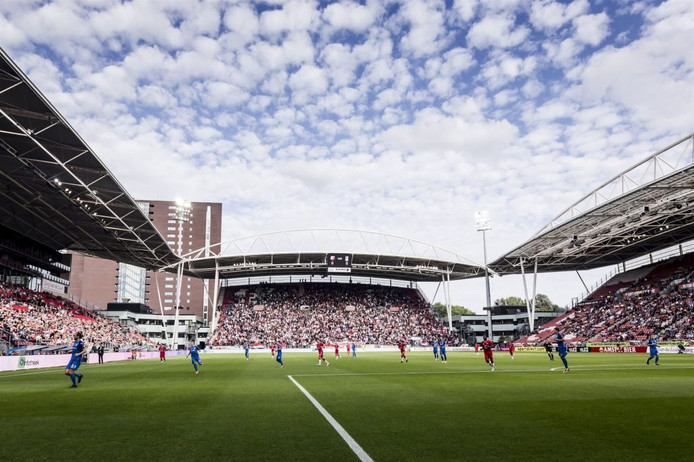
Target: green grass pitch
<point x="609" y="407"/>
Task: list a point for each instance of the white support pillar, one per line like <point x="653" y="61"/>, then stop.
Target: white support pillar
<point x="161" y="305"/>
<point x="179" y="283"/>
<point x="532" y="317"/>
<point x="447" y="291"/>
<point x="530" y="303"/>
<point x="215" y="298"/>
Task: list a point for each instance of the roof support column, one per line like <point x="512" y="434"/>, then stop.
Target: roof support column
<point x="215" y="299"/>
<point x="179" y="283"/>
<point x="530" y="304"/>
<point x="447" y="295"/>
<point x="161" y="305"/>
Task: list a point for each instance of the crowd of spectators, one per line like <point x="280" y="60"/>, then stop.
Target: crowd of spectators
<point x="660" y="303"/>
<point x="28" y="317"/>
<point x="299" y="315"/>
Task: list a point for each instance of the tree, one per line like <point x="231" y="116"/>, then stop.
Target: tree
<point x="542" y="302"/>
<point x="510" y="301"/>
<point x="456" y="310"/>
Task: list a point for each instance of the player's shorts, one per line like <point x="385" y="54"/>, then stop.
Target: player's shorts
<point x="488" y="355"/>
<point x="443" y="351"/>
<point x="320" y="355"/>
<point x="74" y="365"/>
<point x="654" y="352"/>
<point x="195" y="359"/>
<point x="562" y="351"/>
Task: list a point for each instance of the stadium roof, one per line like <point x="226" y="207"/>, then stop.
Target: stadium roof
<point x="305" y="252"/>
<point x="646" y="208"/>
<point x="53" y="188"/>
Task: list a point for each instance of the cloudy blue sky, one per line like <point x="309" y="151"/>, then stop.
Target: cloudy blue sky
<point x="398" y="117"/>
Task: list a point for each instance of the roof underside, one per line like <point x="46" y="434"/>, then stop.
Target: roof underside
<point x="53" y="188"/>
<point x="306" y="251"/>
<point x="648" y="208"/>
<point x="363" y="265"/>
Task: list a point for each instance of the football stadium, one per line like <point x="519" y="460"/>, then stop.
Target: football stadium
<point x="319" y="344"/>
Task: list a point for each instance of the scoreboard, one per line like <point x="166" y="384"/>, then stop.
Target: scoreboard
<point x="339" y="263"/>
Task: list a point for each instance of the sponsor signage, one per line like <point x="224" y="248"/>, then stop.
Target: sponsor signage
<point x="618" y="349"/>
<point x="54" y="287"/>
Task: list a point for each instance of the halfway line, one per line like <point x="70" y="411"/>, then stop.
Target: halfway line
<point x="353" y="445"/>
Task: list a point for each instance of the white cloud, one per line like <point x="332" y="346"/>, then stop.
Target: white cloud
<point x="153" y="95"/>
<point x="432" y="131"/>
<point x="349" y="15"/>
<point x="427" y="33"/>
<point x="308" y="80"/>
<point x="591" y="29"/>
<point x="295" y="15"/>
<point x="551" y="15"/>
<point x="496" y="31"/>
<point x="652" y="78"/>
<point x="243" y="23"/>
<point x="465" y="9"/>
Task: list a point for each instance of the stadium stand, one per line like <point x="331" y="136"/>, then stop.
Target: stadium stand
<point x="29" y="318"/>
<point x="657" y="299"/>
<point x="299" y="315"/>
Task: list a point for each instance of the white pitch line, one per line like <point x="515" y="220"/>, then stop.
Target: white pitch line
<point x="353" y="445"/>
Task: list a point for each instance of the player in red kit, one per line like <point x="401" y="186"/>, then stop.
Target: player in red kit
<point x="477" y="348"/>
<point x="403" y="356"/>
<point x="162" y="353"/>
<point x="319" y="347"/>
<point x="272" y="350"/>
<point x="337" y="351"/>
<point x="512" y="350"/>
<point x="488" y="348"/>
<point x="348" y="350"/>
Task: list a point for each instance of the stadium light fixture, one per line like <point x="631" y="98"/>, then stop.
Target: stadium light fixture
<point x="484" y="225"/>
<point x="182" y="214"/>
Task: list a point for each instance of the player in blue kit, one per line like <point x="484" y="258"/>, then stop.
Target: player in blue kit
<point x="561" y="348"/>
<point x="278" y="357"/>
<point x="194" y="353"/>
<point x="246" y="350"/>
<point x="436" y="351"/>
<point x="442" y="351"/>
<point x="78" y="352"/>
<point x="653" y="350"/>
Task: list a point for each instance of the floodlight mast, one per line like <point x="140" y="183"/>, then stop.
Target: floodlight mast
<point x="483" y="224"/>
<point x="182" y="212"/>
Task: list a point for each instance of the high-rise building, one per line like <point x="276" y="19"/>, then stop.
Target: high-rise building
<point x="187" y="227"/>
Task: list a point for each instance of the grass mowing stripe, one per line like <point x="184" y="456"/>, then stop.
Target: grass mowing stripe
<point x="20" y="373"/>
<point x="622" y="367"/>
<point x="353" y="445"/>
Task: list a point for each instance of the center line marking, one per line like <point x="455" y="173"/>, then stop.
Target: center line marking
<point x="353" y="445"/>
